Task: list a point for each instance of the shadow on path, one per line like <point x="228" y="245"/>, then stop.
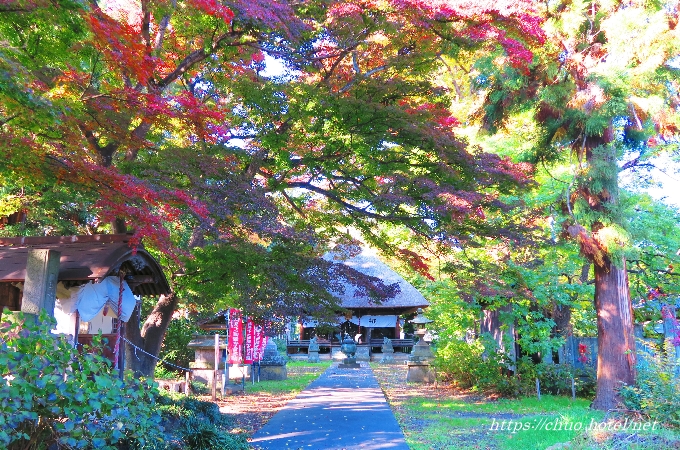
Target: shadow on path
<point x="342" y="409"/>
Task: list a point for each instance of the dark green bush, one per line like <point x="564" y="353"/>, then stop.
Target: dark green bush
<point x="197" y="425"/>
<point x="657" y="389"/>
<point x="52" y="395"/>
<point x="281" y="345"/>
<point x="471" y="367"/>
<point x="555" y="379"/>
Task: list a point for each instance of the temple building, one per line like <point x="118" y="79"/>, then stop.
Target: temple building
<point x="367" y="322"/>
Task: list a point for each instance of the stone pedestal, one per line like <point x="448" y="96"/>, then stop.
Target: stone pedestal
<point x="273" y="365"/>
<point x="350" y="365"/>
<point x="387" y="352"/>
<point x="422" y="352"/>
<point x="336" y="354"/>
<point x="313" y="356"/>
<point x="363" y="353"/>
<point x="272" y="372"/>
<point x="419" y="367"/>
<point x="313" y="351"/>
<point x="420" y="372"/>
<point x="387" y="356"/>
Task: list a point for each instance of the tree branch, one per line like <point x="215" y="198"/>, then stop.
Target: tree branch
<point x="336" y="198"/>
<point x="197" y="56"/>
<point x="3" y="122"/>
<point x="292" y="203"/>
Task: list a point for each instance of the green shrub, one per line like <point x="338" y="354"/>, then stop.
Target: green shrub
<point x="200" y="388"/>
<point x="197" y="425"/>
<point x="52" y="395"/>
<point x="174" y="349"/>
<point x="471" y="367"/>
<point x="657" y="390"/>
<point x="555" y="379"/>
<point x="162" y="372"/>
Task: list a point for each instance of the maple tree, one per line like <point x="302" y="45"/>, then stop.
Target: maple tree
<point x="155" y="117"/>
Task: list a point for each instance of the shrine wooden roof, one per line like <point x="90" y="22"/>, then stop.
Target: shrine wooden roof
<point x="86" y="258"/>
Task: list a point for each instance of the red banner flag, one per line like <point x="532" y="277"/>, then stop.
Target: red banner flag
<point x="260" y="343"/>
<point x="255" y="342"/>
<point x="250" y="342"/>
<point x="235" y="338"/>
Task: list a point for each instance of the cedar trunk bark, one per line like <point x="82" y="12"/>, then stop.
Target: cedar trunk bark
<point x="504" y="337"/>
<point x="616" y="344"/>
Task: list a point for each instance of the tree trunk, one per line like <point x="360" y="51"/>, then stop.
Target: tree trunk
<point x="616" y="344"/>
<point x="503" y="336"/>
<point x="561" y="314"/>
<point x="150" y="337"/>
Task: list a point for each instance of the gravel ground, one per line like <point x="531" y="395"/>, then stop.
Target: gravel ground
<point x="252" y="410"/>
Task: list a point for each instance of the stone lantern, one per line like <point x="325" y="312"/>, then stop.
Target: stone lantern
<point x="349" y="348"/>
<point x="273" y="365"/>
<point x="419" y="367"/>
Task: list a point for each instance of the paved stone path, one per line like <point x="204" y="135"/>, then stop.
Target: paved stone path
<point x="342" y="409"/>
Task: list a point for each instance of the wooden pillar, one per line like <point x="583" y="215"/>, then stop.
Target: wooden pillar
<point x="217" y="366"/>
<point x="121" y="351"/>
<point x="77" y="330"/>
<point x="40" y="285"/>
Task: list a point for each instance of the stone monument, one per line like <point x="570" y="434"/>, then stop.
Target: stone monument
<point x="203" y="365"/>
<point x="40" y="287"/>
<point x="313" y="351"/>
<point x="273" y="365"/>
<point x="349" y="348"/>
<point x="419" y="367"/>
<point x="387" y="351"/>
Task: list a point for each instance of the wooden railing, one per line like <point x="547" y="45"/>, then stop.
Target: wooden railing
<point x="396" y="343"/>
<point x="294" y="346"/>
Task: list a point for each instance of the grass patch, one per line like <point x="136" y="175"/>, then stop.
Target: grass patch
<point x="300" y="374"/>
<point x="525" y="423"/>
<point x="526" y="405"/>
<point x="307" y="366"/>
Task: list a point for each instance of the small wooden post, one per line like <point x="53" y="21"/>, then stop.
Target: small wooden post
<point x="573" y="389"/>
<point x="186" y="382"/>
<point x="217" y="365"/>
<point x="77" y="330"/>
<point x="538" y="389"/>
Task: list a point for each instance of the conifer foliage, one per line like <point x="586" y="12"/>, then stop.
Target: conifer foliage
<point x="606" y="91"/>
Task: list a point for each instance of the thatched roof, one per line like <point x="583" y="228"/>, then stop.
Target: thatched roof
<point x="367" y="262"/>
